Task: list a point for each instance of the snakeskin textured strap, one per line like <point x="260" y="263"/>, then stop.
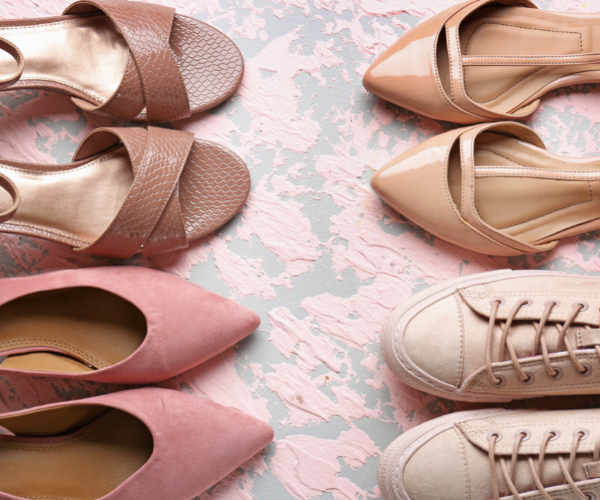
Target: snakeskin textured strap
<point x="146" y="28"/>
<point x="150" y="218"/>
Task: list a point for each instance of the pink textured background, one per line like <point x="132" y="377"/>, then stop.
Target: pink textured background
<point x="314" y="251"/>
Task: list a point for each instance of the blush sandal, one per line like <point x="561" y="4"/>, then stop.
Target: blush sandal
<point x="114" y="325"/>
<point x="148" y="443"/>
<point x="129" y="60"/>
<point x="486" y="60"/>
<point x="494" y="189"/>
<point x="129" y="191"/>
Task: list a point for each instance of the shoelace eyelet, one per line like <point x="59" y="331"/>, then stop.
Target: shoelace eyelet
<point x="590" y="496"/>
<point x="555" y="434"/>
<point x="529" y="380"/>
<point x="555" y="303"/>
<point x="584" y="434"/>
<point x="584" y="305"/>
<point x="588" y="370"/>
<point x="502" y="380"/>
<point x="525" y="433"/>
<point x="496" y="434"/>
<point x="497" y="299"/>
<point x="558" y="373"/>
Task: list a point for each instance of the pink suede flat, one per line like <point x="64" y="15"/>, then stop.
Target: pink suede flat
<point x="142" y="444"/>
<point x="120" y="325"/>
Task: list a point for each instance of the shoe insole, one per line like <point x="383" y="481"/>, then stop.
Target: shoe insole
<point x="86" y="465"/>
<point x="86" y="54"/>
<point x="515" y="201"/>
<point x="70" y="330"/>
<point x="74" y="203"/>
<point x="525" y="32"/>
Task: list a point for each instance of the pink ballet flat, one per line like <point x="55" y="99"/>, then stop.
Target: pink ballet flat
<point x="119" y="325"/>
<point x="142" y="444"/>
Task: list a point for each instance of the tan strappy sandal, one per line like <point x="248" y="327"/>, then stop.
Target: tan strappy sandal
<point x="486" y="60"/>
<point x="128" y="191"/>
<point x="129" y="60"/>
<point x="494" y="189"/>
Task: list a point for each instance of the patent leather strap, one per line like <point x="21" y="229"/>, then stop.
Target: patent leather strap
<point x="459" y="95"/>
<point x="563" y="60"/>
<point x="150" y="220"/>
<point x="11" y="49"/>
<point x="10" y="188"/>
<point x="146" y="28"/>
<point x="468" y="206"/>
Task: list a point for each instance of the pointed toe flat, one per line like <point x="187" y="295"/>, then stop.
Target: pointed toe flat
<point x="128" y="60"/>
<point x="493" y="189"/>
<point x="120" y="325"/>
<point x="128" y="191"/>
<point x="151" y="444"/>
<point x="484" y="61"/>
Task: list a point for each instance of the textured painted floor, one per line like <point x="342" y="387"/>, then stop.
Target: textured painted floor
<point x="314" y="251"/>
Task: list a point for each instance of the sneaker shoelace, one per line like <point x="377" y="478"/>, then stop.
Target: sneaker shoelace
<point x="537" y="472"/>
<point x="539" y="342"/>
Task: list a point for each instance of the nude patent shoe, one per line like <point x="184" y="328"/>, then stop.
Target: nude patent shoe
<point x="117" y="325"/>
<point x="128" y="191"/>
<point x="493" y="189"/>
<point x="129" y="60"/>
<point x="499" y="336"/>
<point x="482" y="61"/>
<point x="495" y="453"/>
<point x="151" y="444"/>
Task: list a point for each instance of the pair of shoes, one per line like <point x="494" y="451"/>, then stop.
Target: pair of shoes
<point x="497" y="337"/>
<point x="121" y="325"/>
<point x="491" y="188"/>
<point x="129" y="190"/>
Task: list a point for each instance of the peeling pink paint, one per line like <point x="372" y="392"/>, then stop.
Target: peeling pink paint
<point x="308" y="466"/>
<point x="314" y="383"/>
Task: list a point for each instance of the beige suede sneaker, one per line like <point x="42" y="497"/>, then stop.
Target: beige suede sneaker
<point x="485" y="454"/>
<point x="499" y="336"/>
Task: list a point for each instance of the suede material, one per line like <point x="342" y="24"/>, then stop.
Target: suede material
<point x="449" y="459"/>
<point x="438" y="466"/>
<point x="196" y="442"/>
<point x="187" y="324"/>
<point x="434" y="340"/>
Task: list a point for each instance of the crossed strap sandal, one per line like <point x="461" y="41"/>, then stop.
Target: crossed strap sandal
<point x="486" y="60"/>
<point x="129" y="191"/>
<point x="130" y="60"/>
<point x="494" y="189"/>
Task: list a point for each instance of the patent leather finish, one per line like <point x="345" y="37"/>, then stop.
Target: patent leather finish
<point x="461" y="187"/>
<point x="449" y="66"/>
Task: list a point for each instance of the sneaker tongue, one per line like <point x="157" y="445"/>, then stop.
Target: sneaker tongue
<point x="592" y="470"/>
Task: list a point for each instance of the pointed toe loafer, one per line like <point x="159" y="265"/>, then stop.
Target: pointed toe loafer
<point x="407" y="74"/>
<point x="447" y="67"/>
<point x="418" y="184"/>
<point x="147" y="443"/>
<point x="121" y="325"/>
